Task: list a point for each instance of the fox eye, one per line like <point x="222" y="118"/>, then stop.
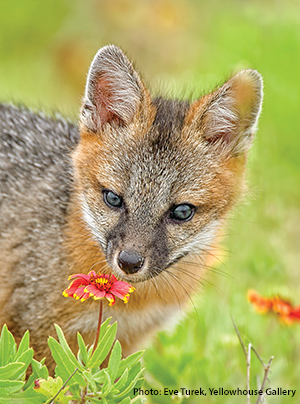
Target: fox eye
<point x="112" y="200"/>
<point x="182" y="212"/>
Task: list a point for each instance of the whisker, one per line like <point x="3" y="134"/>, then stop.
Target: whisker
<point x="198" y="279"/>
<point x="181" y="280"/>
<point x="208" y="268"/>
<point x="153" y="281"/>
<point x="162" y="275"/>
<point x="202" y="281"/>
<point x="186" y="292"/>
<point x="97" y="263"/>
<point x="211" y="254"/>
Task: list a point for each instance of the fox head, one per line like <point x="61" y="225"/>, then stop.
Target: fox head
<point x="156" y="178"/>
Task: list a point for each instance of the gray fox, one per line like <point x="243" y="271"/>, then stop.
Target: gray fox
<point x="139" y="187"/>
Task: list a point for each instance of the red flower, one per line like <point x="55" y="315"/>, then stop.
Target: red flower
<point x="261" y="304"/>
<point x="283" y="308"/>
<point x="99" y="287"/>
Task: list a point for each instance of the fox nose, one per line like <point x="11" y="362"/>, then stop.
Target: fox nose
<point x="130" y="261"/>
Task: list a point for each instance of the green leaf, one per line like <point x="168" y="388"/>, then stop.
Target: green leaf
<point x="138" y="400"/>
<point x="10" y="386"/>
<point x="25" y="358"/>
<point x="139" y="384"/>
<point x="97" y="401"/>
<point x="104" y="327"/>
<point x="9" y="371"/>
<point x="90" y="350"/>
<point x="24" y="397"/>
<point x="99" y="376"/>
<point x="65" y="346"/>
<point x="90" y="380"/>
<point x="103" y="347"/>
<point x="126" y="400"/>
<point x="121" y="382"/>
<point x="114" y="360"/>
<point x="39" y="371"/>
<point x="130" y="385"/>
<point x="30" y="381"/>
<point x="129" y="362"/>
<point x="65" y="367"/>
<point x="107" y="384"/>
<point x="134" y="370"/>
<point x="82" y="348"/>
<point x="23" y="346"/>
<point x="7" y="346"/>
<point x="76" y="391"/>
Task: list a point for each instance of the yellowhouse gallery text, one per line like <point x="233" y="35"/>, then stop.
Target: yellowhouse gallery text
<point x="182" y="391"/>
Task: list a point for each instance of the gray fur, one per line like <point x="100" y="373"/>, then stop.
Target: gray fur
<point x="35" y="184"/>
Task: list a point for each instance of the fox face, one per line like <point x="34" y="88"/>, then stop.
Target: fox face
<point x="155" y="178"/>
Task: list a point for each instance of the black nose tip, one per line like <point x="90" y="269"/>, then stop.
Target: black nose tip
<point x="130" y="262"/>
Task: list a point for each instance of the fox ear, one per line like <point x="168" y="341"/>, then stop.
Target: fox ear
<point x="228" y="117"/>
<point x="113" y="91"/>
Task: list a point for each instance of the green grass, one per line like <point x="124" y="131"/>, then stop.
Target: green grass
<point x="194" y="46"/>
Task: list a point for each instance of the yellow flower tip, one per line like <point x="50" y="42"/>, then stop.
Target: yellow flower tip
<point x="132" y="289"/>
<point x="111" y="301"/>
<point x="65" y="294"/>
<point x="126" y="298"/>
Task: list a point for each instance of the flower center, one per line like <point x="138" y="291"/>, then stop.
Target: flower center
<point x="102" y="283"/>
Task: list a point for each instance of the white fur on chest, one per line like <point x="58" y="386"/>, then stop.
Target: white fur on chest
<point x="130" y="322"/>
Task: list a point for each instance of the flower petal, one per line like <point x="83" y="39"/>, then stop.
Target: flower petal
<point x="81" y="294"/>
<point x="294" y="315"/>
<point x="92" y="274"/>
<point x="121" y="286"/>
<point x="126" y="298"/>
<point x="69" y="292"/>
<point x="84" y="277"/>
<point x="110" y="298"/>
<point x="95" y="292"/>
<point x="260" y="303"/>
<point x="121" y="290"/>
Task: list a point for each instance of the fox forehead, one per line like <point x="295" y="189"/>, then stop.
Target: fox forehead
<point x="156" y="163"/>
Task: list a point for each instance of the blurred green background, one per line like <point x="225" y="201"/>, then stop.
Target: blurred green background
<point x="186" y="48"/>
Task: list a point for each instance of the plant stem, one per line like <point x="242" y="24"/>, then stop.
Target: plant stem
<point x="267" y="368"/>
<point x="248" y="361"/>
<point x="99" y="326"/>
<point x="63" y="386"/>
